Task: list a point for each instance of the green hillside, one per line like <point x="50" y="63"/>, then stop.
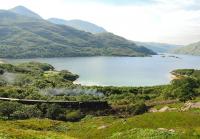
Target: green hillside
<point x="192" y="49"/>
<point x="25" y="37"/>
<point x="166" y="125"/>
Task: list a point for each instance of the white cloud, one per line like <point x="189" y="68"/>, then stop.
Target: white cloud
<point x="175" y="21"/>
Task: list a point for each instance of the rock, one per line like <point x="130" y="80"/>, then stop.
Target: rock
<point x="195" y="105"/>
<point x="102" y="127"/>
<point x="153" y="110"/>
<point x="165" y="108"/>
<point x="172" y="130"/>
<point x="168" y="130"/>
<point x="172" y="109"/>
<point x="163" y="129"/>
<point x="190" y="105"/>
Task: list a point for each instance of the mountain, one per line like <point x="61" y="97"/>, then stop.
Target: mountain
<point x="27" y="37"/>
<point x="159" y="47"/>
<point x="21" y="10"/>
<point x="79" y="24"/>
<point x="191" y="49"/>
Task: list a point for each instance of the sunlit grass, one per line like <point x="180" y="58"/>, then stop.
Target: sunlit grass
<point x="183" y="125"/>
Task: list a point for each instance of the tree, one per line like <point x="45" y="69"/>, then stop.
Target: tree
<point x="73" y="115"/>
<point x="8" y="108"/>
<point x="55" y="112"/>
<point x="183" y="89"/>
<point x="68" y="75"/>
<point x="1" y="71"/>
<point x="27" y="111"/>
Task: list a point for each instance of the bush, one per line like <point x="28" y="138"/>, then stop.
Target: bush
<point x="183" y="89"/>
<point x="68" y="75"/>
<point x="8" y="108"/>
<point x="7" y="67"/>
<point x="1" y="71"/>
<point x="132" y="109"/>
<point x="73" y="115"/>
<point x="55" y="112"/>
<point x="27" y="111"/>
<point x="3" y="82"/>
<point x="139" y="108"/>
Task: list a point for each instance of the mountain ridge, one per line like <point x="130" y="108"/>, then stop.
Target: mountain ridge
<point x="159" y="47"/>
<point x="21" y="10"/>
<point x="26" y="37"/>
<point x="79" y="24"/>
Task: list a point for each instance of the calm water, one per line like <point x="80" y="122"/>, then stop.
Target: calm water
<point x="121" y="71"/>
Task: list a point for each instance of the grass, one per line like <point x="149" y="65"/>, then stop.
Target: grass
<point x="32" y="129"/>
<point x="50" y="73"/>
<point x="184" y="124"/>
<point x="197" y="99"/>
<point x="137" y="133"/>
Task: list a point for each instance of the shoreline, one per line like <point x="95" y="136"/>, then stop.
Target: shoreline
<point x="1" y="61"/>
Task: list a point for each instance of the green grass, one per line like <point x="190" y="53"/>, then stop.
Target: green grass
<point x="50" y="74"/>
<point x="32" y="129"/>
<point x="138" y="133"/>
<point x="185" y="124"/>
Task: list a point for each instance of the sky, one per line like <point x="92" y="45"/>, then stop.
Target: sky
<point x="165" y="21"/>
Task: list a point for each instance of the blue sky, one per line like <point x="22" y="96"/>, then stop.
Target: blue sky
<point x="167" y="21"/>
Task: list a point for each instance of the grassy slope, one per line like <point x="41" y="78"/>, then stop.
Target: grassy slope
<point x="186" y="125"/>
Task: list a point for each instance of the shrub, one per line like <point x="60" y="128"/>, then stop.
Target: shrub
<point x="68" y="75"/>
<point x="27" y="111"/>
<point x="8" y="108"/>
<point x="73" y="115"/>
<point x="55" y="112"/>
<point x="183" y="89"/>
<point x="1" y="71"/>
<point x="132" y="109"/>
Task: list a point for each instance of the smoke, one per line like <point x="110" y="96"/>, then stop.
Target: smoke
<point x="9" y="77"/>
<point x="70" y="92"/>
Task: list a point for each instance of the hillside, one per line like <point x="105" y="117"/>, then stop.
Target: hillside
<point x="192" y="49"/>
<point x="79" y="24"/>
<point x="166" y="125"/>
<point x="27" y="37"/>
<point x="34" y="98"/>
<point x="159" y="47"/>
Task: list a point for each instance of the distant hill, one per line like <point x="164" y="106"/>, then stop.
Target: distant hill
<point x="21" y="10"/>
<point x="192" y="49"/>
<point x="79" y="24"/>
<point x="27" y="37"/>
<point x="159" y="47"/>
